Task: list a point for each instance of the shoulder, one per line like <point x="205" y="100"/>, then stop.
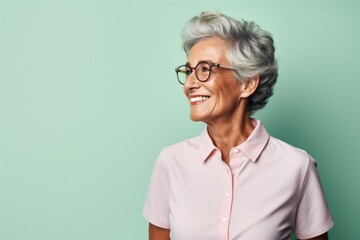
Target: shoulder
<point x="289" y="163"/>
<point x="294" y="159"/>
<point x="180" y="150"/>
<point x="179" y="147"/>
<point x="285" y="150"/>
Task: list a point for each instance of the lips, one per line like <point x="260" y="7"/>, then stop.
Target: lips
<point x="198" y="99"/>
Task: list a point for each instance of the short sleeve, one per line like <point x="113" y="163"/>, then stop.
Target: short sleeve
<point x="156" y="209"/>
<point x="313" y="217"/>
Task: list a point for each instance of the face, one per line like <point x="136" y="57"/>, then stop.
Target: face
<point x="218" y="98"/>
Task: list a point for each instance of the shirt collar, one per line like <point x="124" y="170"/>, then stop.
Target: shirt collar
<point x="251" y="148"/>
<point x="256" y="142"/>
<point x="206" y="146"/>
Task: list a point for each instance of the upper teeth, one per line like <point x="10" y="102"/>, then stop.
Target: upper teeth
<point x="199" y="99"/>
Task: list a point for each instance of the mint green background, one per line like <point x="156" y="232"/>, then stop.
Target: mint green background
<point x="88" y="97"/>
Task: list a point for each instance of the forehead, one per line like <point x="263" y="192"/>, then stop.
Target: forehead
<point x="209" y="49"/>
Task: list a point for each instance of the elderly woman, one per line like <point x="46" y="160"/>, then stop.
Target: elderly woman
<point x="234" y="181"/>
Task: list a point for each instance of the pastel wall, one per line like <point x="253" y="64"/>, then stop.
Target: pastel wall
<point x="88" y="97"/>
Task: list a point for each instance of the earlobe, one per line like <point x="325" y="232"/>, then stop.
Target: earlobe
<point x="250" y="86"/>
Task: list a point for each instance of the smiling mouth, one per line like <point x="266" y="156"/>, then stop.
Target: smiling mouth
<point x="199" y="99"/>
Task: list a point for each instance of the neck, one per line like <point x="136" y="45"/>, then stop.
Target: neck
<point x="230" y="132"/>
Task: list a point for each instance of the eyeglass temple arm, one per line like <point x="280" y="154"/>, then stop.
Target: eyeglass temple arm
<point x="221" y="66"/>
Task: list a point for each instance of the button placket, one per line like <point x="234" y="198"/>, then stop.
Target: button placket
<point x="228" y="201"/>
<point x="227" y="204"/>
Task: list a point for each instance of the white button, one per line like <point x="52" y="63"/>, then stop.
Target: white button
<point x="224" y="219"/>
<point x="236" y="150"/>
<point x="227" y="194"/>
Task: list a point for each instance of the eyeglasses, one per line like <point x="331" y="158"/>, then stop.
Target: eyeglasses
<point x="202" y="71"/>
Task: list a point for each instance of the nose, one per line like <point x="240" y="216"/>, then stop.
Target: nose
<point x="191" y="82"/>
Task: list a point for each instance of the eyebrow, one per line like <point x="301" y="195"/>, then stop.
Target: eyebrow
<point x="188" y="64"/>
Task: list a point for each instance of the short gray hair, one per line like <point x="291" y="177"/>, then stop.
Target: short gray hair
<point x="251" y="50"/>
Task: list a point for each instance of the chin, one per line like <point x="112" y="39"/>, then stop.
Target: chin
<point x="197" y="117"/>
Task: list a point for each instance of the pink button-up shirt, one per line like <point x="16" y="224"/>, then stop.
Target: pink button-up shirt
<point x="269" y="189"/>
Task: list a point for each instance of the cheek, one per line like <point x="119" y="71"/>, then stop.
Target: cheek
<point x="229" y="94"/>
<point x="184" y="90"/>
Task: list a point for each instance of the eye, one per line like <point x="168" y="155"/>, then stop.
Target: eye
<point x="205" y="68"/>
<point x="187" y="72"/>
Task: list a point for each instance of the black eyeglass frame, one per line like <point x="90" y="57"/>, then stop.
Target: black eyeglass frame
<point x="188" y="73"/>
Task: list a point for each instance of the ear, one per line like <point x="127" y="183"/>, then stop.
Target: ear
<point x="250" y="86"/>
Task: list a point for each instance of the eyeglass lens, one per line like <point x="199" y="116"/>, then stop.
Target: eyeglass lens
<point x="202" y="72"/>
